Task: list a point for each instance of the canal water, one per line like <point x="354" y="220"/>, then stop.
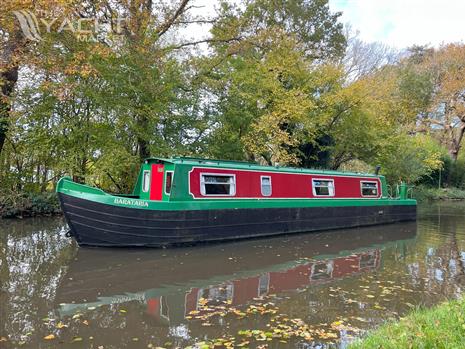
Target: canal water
<point x="316" y="290"/>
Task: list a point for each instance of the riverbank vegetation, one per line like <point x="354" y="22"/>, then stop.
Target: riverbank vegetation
<point x="260" y="80"/>
<point x="440" y="327"/>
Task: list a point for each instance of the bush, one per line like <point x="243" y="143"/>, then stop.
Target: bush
<point x="28" y="204"/>
<point x="423" y="193"/>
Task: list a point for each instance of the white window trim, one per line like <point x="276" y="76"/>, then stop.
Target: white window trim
<point x="369" y="196"/>
<point x="329" y="270"/>
<point x="267" y="276"/>
<point x="172" y="179"/>
<point x="202" y="183"/>
<point x="261" y="186"/>
<point x="143" y="181"/>
<point x="326" y="180"/>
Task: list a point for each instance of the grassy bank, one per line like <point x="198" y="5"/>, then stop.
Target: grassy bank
<point x="422" y="193"/>
<point x="440" y="327"/>
<point x="28" y="204"/>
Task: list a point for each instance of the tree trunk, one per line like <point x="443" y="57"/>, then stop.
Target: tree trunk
<point x="144" y="151"/>
<point x="456" y="141"/>
<point x="8" y="79"/>
<point x="9" y="67"/>
<point x="142" y="142"/>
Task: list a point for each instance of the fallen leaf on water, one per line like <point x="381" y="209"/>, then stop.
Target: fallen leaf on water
<point x="85" y="322"/>
<point x="61" y="325"/>
<point x="76" y="339"/>
<point x="122" y="311"/>
<point x="359" y="319"/>
<point x="3" y="339"/>
<point x="50" y="336"/>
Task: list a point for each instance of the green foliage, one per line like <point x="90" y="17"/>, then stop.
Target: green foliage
<point x="426" y="193"/>
<point x="28" y="204"/>
<point x="452" y="174"/>
<point x="440" y="327"/>
<point x="408" y="158"/>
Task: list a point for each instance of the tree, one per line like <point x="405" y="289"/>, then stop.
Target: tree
<point x="362" y="58"/>
<point x="266" y="81"/>
<point x="445" y="69"/>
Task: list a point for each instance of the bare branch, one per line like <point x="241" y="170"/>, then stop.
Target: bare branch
<point x="169" y="23"/>
<point x="193" y="43"/>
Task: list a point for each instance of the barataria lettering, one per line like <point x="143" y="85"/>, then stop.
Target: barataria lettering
<point x="131" y="202"/>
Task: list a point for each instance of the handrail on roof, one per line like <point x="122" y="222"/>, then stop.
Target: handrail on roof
<point x="200" y="160"/>
<point x="219" y="162"/>
<point x="214" y="160"/>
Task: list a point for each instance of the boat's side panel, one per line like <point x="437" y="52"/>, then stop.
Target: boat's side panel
<point x="284" y="185"/>
<point x="98" y="224"/>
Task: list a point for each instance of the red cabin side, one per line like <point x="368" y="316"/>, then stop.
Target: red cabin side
<point x="284" y="185"/>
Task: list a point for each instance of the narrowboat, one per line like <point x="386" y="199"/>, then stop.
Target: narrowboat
<point x="188" y="200"/>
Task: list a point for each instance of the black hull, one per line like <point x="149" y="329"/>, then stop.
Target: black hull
<point x="97" y="224"/>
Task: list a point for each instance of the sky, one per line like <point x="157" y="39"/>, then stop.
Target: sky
<point x="403" y="23"/>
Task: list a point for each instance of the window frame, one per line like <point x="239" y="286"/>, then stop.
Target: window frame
<point x="171" y="185"/>
<point x="144" y="173"/>
<point x="331" y="195"/>
<point x="373" y="260"/>
<point x="317" y="275"/>
<point x="233" y="183"/>
<point x="261" y="186"/>
<point x="369" y="196"/>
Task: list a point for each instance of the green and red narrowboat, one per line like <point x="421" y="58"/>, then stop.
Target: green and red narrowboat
<point x="187" y="200"/>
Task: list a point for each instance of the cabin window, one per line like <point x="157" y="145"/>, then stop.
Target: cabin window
<point x="145" y="181"/>
<point x="323" y="187"/>
<point x="168" y="181"/>
<point x="321" y="271"/>
<point x="263" y="284"/>
<point x="266" y="185"/>
<point x="370" y="189"/>
<point x="368" y="260"/>
<point x="216" y="184"/>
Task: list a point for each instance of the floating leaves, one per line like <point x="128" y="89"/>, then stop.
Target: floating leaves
<point x="50" y="337"/>
<point x="61" y="325"/>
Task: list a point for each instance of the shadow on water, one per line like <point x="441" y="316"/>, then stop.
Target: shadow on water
<point x="133" y="298"/>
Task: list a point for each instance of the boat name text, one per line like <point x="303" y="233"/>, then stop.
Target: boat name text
<point x="132" y="202"/>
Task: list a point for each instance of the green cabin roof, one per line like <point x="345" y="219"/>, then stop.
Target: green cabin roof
<point x="241" y="165"/>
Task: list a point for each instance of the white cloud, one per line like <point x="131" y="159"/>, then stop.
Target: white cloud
<point x="402" y="23"/>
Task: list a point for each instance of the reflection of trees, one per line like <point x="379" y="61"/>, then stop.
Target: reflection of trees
<point x="4" y="277"/>
<point x="33" y="263"/>
<point x="442" y="271"/>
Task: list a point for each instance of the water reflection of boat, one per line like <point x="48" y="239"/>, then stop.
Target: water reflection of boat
<point x="171" y="283"/>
